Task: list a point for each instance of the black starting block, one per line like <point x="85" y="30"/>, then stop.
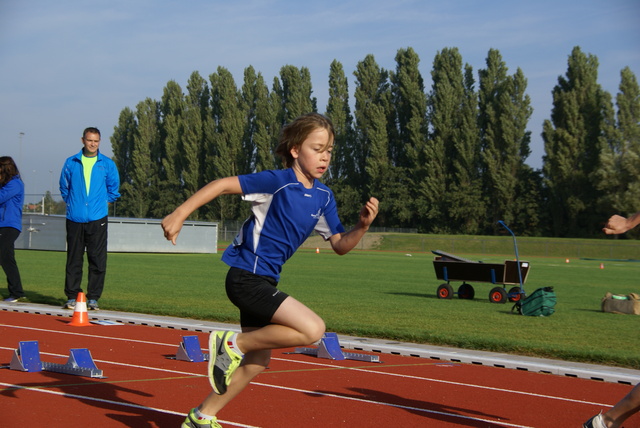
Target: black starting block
<point x="27" y="359"/>
<point x="329" y="347"/>
<point x="190" y="350"/>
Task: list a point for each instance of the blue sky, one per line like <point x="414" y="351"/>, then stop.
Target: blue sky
<point x="69" y="64"/>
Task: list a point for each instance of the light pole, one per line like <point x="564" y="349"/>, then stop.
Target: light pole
<point x="51" y="193"/>
<point x="21" y="135"/>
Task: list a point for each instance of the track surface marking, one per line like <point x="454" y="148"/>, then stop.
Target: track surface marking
<point x="146" y="387"/>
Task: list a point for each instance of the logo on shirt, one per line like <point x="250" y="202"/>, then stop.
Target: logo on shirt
<point x="317" y="215"/>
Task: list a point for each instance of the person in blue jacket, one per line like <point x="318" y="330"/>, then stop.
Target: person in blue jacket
<point x="89" y="182"/>
<point x="11" y="202"/>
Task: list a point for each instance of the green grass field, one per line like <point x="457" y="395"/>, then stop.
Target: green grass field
<point x="383" y="294"/>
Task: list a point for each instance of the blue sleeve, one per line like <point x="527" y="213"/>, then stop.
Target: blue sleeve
<point x="9" y="190"/>
<point x="113" y="182"/>
<point x="260" y="182"/>
<point x="64" y="181"/>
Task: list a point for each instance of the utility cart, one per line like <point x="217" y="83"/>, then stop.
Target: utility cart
<point x="453" y="268"/>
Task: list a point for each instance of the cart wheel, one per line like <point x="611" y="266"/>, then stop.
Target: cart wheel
<point x="498" y="295"/>
<point x="445" y="291"/>
<point x="466" y="291"/>
<point x="514" y="294"/>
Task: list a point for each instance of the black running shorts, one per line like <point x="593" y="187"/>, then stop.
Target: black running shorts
<point x="257" y="296"/>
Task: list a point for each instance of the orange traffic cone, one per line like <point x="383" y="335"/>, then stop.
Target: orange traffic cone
<point x="601" y="265"/>
<point x="80" y="316"/>
<point x="317" y="250"/>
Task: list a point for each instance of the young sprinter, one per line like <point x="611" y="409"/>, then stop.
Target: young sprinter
<point x="287" y="206"/>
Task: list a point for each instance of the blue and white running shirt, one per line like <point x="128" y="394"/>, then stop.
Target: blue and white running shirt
<point x="285" y="213"/>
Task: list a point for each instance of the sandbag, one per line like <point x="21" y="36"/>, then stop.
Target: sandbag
<point x="621" y="304"/>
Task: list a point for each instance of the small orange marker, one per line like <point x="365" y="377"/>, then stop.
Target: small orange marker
<point x="80" y="317"/>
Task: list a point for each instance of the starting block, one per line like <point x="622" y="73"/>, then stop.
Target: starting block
<point x="27" y="359"/>
<point x="190" y="350"/>
<point x="329" y="347"/>
<point x="79" y="363"/>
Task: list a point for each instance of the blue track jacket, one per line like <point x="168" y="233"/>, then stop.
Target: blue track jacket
<point x="11" y="202"/>
<point x="105" y="182"/>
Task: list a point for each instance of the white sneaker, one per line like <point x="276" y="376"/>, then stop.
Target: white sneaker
<point x="595" y="422"/>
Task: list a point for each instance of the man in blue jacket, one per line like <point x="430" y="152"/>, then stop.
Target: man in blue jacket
<point x="89" y="182"/>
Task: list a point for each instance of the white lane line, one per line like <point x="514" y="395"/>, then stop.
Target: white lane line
<point x="117" y="403"/>
<point x="340" y="397"/>
<point x="399" y="406"/>
<point x="467" y="385"/>
<point x="86" y="335"/>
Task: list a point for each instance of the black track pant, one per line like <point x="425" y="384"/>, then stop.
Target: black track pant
<point x="91" y="237"/>
<point x="8" y="236"/>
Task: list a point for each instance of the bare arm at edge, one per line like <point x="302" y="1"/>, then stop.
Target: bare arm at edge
<point x="172" y="224"/>
<point x="618" y="224"/>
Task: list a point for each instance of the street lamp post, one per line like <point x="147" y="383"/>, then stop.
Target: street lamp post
<point x="21" y="135"/>
<point x="51" y="193"/>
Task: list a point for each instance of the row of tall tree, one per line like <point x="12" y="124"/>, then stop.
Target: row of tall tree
<point x="445" y="159"/>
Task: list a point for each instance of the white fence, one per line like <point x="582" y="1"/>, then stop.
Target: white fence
<point x="127" y="235"/>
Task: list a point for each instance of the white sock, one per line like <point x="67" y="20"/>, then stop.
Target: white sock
<point x="234" y="345"/>
<point x="201" y="415"/>
<point x="599" y="422"/>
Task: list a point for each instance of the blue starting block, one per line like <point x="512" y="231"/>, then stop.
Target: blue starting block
<point x="27" y="359"/>
<point x="330" y="348"/>
<point x="79" y="363"/>
<point x="190" y="350"/>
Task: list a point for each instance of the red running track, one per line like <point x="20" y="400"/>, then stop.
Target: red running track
<point x="144" y="387"/>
